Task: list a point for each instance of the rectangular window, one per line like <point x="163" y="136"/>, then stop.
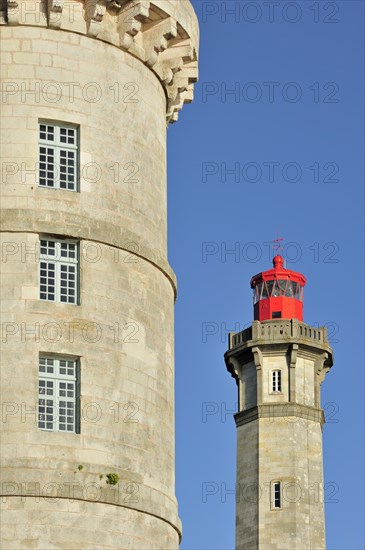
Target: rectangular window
<point x="58" y="156"/>
<point x="276" y="315"/>
<point x="276" y="494"/>
<point x="276" y="381"/>
<point x="58" y="394"/>
<point x="58" y="270"/>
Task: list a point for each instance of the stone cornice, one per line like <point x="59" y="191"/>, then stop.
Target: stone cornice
<point x="163" y="34"/>
<point x="280" y="410"/>
<point x="34" y="483"/>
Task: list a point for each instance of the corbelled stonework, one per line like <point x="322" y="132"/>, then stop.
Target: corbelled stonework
<point x="163" y="34"/>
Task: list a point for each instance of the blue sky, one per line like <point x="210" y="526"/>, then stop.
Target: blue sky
<point x="292" y="133"/>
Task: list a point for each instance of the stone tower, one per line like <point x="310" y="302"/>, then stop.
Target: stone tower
<point x="88" y="294"/>
<point x="279" y="364"/>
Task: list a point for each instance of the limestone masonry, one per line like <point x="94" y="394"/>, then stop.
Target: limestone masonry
<point x="279" y="364"/>
<point x="87" y="292"/>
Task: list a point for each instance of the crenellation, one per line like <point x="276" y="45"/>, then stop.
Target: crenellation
<point x="155" y="36"/>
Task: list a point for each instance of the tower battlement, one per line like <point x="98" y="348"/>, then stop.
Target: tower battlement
<point x="163" y="34"/>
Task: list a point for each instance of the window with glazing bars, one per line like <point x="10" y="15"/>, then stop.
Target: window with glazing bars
<point x="276" y="380"/>
<point x="58" y="156"/>
<point x="58" y="262"/>
<point x="267" y="289"/>
<point x="276" y="494"/>
<point x="58" y="400"/>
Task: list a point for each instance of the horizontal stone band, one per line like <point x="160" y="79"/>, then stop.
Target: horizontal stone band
<point x="33" y="483"/>
<point x="280" y="410"/>
<point x="123" y="240"/>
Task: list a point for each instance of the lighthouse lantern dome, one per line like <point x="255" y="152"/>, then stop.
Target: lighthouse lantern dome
<point x="278" y="293"/>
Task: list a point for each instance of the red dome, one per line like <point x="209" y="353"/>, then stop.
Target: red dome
<point x="278" y="262"/>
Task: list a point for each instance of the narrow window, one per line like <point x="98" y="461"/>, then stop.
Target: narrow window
<point x="59" y="270"/>
<point x="58" y="156"/>
<point x="276" y="494"/>
<point x="264" y="293"/>
<point x="58" y="394"/>
<point x="257" y="293"/>
<point x="276" y="381"/>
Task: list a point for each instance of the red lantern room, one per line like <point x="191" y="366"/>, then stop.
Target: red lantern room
<point x="278" y="293"/>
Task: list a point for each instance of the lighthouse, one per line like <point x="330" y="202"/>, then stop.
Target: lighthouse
<point x="279" y="364"/>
